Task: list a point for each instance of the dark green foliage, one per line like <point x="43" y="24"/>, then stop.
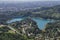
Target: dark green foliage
<point x="53" y="29"/>
<point x="4" y="29"/>
<point x="48" y="12"/>
<point x="8" y="36"/>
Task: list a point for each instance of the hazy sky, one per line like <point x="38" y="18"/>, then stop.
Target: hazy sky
<point x="28" y="0"/>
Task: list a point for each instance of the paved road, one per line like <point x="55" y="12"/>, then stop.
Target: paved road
<point x="12" y="29"/>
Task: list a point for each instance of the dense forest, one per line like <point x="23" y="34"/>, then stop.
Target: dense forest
<point x="27" y="29"/>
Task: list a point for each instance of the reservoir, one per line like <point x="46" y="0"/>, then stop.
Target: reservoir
<point x="40" y="22"/>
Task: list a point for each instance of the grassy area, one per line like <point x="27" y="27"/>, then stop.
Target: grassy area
<point x="10" y="31"/>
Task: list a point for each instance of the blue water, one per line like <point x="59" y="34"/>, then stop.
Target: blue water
<point x="40" y="22"/>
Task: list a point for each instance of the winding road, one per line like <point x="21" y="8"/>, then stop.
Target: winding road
<point x="13" y="29"/>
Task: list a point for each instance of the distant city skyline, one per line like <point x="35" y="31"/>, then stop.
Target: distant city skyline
<point x="25" y="0"/>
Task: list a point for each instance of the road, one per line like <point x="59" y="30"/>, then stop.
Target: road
<point x="13" y="29"/>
